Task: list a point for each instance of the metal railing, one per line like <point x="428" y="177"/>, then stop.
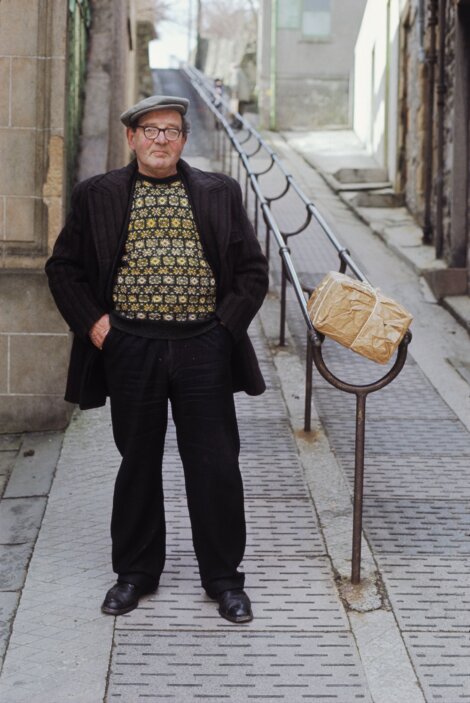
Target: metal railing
<point x="234" y="140"/>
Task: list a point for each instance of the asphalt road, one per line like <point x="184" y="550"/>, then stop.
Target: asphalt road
<point x="170" y="81"/>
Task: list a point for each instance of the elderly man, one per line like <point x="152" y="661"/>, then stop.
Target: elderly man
<point x="158" y="274"/>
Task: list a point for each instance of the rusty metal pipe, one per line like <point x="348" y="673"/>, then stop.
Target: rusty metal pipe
<point x="358" y="486"/>
<point x="308" y="386"/>
<point x="282" y="325"/>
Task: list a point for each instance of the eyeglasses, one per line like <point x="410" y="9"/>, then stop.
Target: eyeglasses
<point x="170" y="133"/>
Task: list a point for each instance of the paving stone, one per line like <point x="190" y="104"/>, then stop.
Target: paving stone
<point x="413" y="527"/>
<point x="8" y="605"/>
<point x="67" y="647"/>
<point x="7" y="460"/>
<point x="396" y="476"/>
<point x="20" y="519"/>
<point x="401" y="436"/>
<point x="390" y="673"/>
<point x="429" y="593"/>
<point x="409" y="395"/>
<point x="441" y="660"/>
<point x="14" y="560"/>
<point x="32" y="474"/>
<point x="236" y="666"/>
<point x="10" y="442"/>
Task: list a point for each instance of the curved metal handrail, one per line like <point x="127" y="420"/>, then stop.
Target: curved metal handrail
<point x="314" y="338"/>
<point x="366" y="388"/>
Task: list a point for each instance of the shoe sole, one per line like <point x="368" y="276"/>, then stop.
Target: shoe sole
<point x="118" y="611"/>
<point x="123" y="611"/>
<point x="238" y="620"/>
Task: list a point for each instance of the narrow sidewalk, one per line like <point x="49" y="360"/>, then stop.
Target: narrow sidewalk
<point x="175" y="646"/>
<point x="417" y="459"/>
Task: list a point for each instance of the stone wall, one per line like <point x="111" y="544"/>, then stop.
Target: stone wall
<point x="34" y="69"/>
<point x="412" y="105"/>
<point x="449" y="117"/>
<point x="33" y="339"/>
<point x="456" y="180"/>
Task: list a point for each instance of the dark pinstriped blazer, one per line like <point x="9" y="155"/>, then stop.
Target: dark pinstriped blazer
<point x="88" y="249"/>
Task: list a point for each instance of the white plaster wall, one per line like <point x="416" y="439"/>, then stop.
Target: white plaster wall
<point x="396" y="9"/>
<point x="375" y="108"/>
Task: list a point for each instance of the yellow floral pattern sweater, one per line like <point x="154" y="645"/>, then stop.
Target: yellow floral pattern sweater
<point x="163" y="273"/>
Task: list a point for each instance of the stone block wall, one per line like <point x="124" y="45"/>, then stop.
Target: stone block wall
<point x="34" y="353"/>
<point x="33" y="339"/>
<point x="455" y="199"/>
<point x="411" y="167"/>
<point x="449" y="119"/>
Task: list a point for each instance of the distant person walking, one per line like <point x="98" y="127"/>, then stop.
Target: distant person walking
<point x="158" y="273"/>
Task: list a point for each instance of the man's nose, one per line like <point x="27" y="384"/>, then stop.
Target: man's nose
<point x="161" y="138"/>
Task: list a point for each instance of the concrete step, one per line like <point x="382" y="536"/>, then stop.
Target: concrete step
<point x="379" y="198"/>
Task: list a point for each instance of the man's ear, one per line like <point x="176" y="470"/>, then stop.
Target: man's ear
<point x="130" y="133"/>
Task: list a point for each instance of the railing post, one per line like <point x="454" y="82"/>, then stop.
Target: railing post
<point x="308" y="385"/>
<point x="282" y="331"/>
<point x="358" y="486"/>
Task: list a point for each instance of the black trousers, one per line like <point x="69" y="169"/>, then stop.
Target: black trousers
<point x="194" y="375"/>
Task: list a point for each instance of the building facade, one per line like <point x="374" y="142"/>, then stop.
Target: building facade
<point x="412" y="111"/>
<point x="44" y="45"/>
<point x="305" y="55"/>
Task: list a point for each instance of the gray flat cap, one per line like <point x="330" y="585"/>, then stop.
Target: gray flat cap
<point x="154" y="102"/>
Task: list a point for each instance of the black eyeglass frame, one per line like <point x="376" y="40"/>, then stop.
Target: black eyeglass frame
<point x="165" y="131"/>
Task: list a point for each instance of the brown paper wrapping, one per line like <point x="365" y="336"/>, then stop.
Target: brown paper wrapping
<point x="358" y="316"/>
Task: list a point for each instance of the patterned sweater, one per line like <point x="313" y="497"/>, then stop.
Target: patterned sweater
<point x="163" y="274"/>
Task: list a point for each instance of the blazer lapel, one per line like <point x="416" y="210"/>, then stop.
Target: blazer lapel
<point x="210" y="200"/>
<point x="108" y="206"/>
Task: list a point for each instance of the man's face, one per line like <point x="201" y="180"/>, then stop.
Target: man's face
<point x="157" y="157"/>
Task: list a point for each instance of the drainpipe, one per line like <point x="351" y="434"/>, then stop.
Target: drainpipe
<point x="441" y="93"/>
<point x="273" y="71"/>
<point x="428" y="146"/>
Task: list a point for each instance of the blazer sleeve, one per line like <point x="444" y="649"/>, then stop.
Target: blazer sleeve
<point x="68" y="271"/>
<point x="250" y="272"/>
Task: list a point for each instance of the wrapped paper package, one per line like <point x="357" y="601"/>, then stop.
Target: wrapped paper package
<point x="358" y="316"/>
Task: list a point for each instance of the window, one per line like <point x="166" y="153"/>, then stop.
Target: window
<point x="288" y="14"/>
<point x="316" y="18"/>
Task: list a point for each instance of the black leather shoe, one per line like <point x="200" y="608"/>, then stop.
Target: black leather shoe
<point x="122" y="598"/>
<point x="235" y="606"/>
